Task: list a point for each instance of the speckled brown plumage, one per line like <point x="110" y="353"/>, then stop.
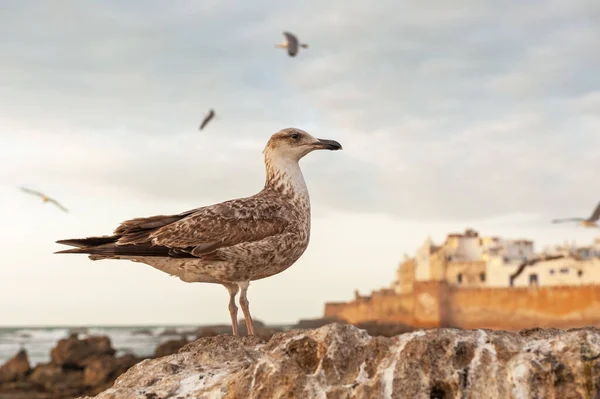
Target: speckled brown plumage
<point x="233" y="242"/>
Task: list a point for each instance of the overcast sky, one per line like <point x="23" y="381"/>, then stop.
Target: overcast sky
<point x="452" y="115"/>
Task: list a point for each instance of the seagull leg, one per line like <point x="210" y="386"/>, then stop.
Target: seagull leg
<point x="233" y="290"/>
<point x="245" y="304"/>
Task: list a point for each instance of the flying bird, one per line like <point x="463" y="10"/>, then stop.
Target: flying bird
<point x="207" y="118"/>
<point x="531" y="262"/>
<point x="291" y="44"/>
<point x="229" y="243"/>
<point x="44" y="198"/>
<point x="589" y="222"/>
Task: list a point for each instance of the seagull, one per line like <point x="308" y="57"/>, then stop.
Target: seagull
<point x="207" y="118"/>
<point x="230" y="243"/>
<point x="589" y="222"/>
<point x="531" y="262"/>
<point x="291" y="44"/>
<point x="44" y="198"/>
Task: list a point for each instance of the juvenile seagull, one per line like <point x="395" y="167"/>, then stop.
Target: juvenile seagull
<point x="291" y="44"/>
<point x="207" y="118"/>
<point x="44" y="198"/>
<point x="231" y="243"/>
<point x="589" y="222"/>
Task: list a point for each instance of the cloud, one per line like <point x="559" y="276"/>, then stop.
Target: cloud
<point x="465" y="114"/>
<point x="445" y="111"/>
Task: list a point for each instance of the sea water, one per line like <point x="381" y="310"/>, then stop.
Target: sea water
<point x="39" y="341"/>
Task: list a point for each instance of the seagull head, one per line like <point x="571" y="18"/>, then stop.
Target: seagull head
<point x="293" y="144"/>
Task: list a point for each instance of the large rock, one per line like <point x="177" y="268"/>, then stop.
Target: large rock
<point x="102" y="370"/>
<point x="77" y="353"/>
<point x="170" y="347"/>
<point x="341" y="361"/>
<point x="16" y="368"/>
<point x="53" y="378"/>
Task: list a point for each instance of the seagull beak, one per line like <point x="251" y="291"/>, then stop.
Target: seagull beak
<point x="323" y="144"/>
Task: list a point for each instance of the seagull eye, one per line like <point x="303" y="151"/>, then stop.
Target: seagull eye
<point x="295" y="136"/>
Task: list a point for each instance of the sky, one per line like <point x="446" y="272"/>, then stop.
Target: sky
<point x="470" y="114"/>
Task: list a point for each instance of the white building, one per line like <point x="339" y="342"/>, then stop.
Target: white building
<point x="423" y="264"/>
<point x="502" y="260"/>
<point x="563" y="271"/>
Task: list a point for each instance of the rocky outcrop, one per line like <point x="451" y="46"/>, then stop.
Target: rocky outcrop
<point x="341" y="361"/>
<point x="16" y="368"/>
<point x="77" y="353"/>
<point x="170" y="347"/>
<point x="78" y="367"/>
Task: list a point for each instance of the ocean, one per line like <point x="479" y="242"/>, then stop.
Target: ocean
<point x="139" y="340"/>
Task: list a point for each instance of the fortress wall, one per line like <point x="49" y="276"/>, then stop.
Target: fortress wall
<point x="436" y="304"/>
<point x="517" y="308"/>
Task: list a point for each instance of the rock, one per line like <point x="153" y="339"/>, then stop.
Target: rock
<point x="376" y="329"/>
<point x="260" y="329"/>
<point x="98" y="370"/>
<point x="170" y="347"/>
<point x="24" y="390"/>
<point x="126" y="361"/>
<point x="16" y="368"/>
<point x="211" y="331"/>
<point x="100" y="373"/>
<point x="76" y="353"/>
<point x="315" y="323"/>
<point x="341" y="361"/>
<point x="53" y="378"/>
<point x="169" y="332"/>
<point x="143" y="331"/>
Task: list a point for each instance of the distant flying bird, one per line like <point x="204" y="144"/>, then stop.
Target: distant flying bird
<point x="532" y="262"/>
<point x="207" y="118"/>
<point x="44" y="198"/>
<point x="589" y="222"/>
<point x="230" y="243"/>
<point x="291" y="44"/>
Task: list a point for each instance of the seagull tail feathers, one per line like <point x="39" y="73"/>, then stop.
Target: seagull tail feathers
<point x="73" y="251"/>
<point x="86" y="242"/>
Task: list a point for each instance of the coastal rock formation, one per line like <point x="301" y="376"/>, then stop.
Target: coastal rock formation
<point x="74" y="352"/>
<point x="342" y="361"/>
<point x="78" y="367"/>
<point x="170" y="347"/>
<point x="16" y="368"/>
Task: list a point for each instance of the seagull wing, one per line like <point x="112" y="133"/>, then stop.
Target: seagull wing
<point x="194" y="233"/>
<point x="33" y="192"/>
<point x="292" y="43"/>
<point x="55" y="202"/>
<point x="207" y="119"/>
<point x="567" y="220"/>
<point x="532" y="262"/>
<point x="596" y="215"/>
<point x="222" y="225"/>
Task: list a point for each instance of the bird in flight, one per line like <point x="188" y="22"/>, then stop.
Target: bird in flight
<point x="291" y="43"/>
<point x="207" y="118"/>
<point x="44" y="198"/>
<point x="531" y="262"/>
<point x="230" y="243"/>
<point x="592" y="221"/>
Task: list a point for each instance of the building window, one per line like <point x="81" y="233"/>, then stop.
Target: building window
<point x="564" y="270"/>
<point x="482" y="277"/>
<point x="459" y="278"/>
<point x="579" y="273"/>
<point x="533" y="280"/>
